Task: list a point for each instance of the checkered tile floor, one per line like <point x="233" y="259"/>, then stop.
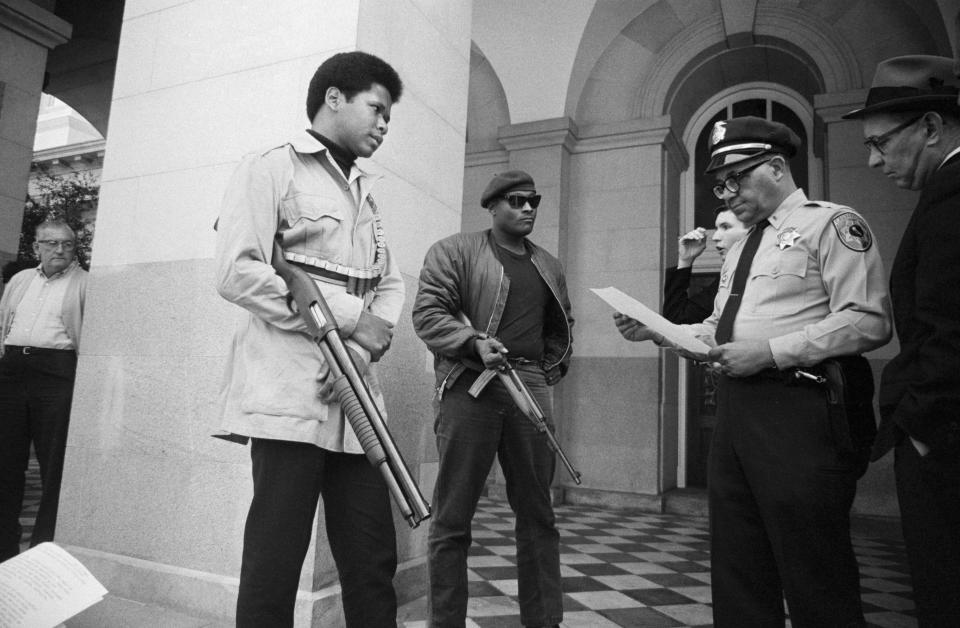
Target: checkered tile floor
<point x="637" y="569"/>
<point x="619" y="569"/>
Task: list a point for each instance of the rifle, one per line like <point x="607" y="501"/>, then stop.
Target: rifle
<point x="527" y="403"/>
<point x="351" y="391"/>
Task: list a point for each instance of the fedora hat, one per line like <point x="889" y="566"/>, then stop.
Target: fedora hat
<point x="909" y="83"/>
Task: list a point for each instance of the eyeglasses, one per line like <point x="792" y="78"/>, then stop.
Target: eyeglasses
<point x="68" y="245"/>
<point x="877" y="142"/>
<point x="732" y="183"/>
<point x="517" y="201"/>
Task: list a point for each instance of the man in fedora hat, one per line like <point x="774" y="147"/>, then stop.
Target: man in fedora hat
<point x="800" y="298"/>
<point x="911" y="123"/>
<point x="486" y="298"/>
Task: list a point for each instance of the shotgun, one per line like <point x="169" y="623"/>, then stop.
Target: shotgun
<point x="351" y="391"/>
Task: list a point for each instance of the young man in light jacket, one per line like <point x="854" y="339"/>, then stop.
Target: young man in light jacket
<point x="309" y="193"/>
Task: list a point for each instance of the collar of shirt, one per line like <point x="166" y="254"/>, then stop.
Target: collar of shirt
<point x="308" y="144"/>
<point x="949" y="156"/>
<point x="344" y="158"/>
<point x="787" y="207"/>
<point x="62" y="273"/>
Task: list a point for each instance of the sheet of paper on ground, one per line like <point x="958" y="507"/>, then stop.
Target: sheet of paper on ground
<point x="45" y="586"/>
<point x="626" y="304"/>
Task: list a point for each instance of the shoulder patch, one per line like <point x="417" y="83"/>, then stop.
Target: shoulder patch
<point x="853" y="231"/>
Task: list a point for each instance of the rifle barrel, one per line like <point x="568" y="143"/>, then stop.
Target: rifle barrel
<point x="528" y="405"/>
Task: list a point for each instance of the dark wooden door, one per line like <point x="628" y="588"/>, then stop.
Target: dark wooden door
<point x="701" y="403"/>
<point x="701" y="420"/>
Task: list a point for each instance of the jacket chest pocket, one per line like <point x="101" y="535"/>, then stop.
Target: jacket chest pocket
<point x="779" y="282"/>
<point x="316" y="225"/>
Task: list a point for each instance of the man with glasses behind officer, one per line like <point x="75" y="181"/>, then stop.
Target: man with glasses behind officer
<point x="911" y="122"/>
<point x="800" y="298"/>
<point x="41" y="313"/>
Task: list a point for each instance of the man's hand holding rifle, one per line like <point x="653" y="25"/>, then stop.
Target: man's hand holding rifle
<point x="494" y="356"/>
<point x="345" y="381"/>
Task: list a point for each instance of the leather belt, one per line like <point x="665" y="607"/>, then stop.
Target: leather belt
<point x="34" y="350"/>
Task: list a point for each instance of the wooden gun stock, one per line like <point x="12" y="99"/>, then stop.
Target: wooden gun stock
<point x="351" y="390"/>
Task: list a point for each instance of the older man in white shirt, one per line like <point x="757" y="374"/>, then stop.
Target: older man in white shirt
<point x="41" y="313"/>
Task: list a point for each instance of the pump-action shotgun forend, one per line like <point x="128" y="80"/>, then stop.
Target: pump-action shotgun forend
<point x="351" y="391"/>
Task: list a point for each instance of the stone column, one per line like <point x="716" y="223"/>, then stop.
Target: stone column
<point x="151" y="503"/>
<point x="620" y="397"/>
<point x="27" y="33"/>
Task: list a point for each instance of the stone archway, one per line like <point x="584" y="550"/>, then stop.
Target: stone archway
<point x="663" y="62"/>
<point x="658" y="47"/>
<point x="80" y="72"/>
<point x="487" y="108"/>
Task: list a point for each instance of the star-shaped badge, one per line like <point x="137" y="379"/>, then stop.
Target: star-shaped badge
<point x="787" y="238"/>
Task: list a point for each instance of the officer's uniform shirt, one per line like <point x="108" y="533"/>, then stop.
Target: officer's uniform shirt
<point x="816" y="288"/>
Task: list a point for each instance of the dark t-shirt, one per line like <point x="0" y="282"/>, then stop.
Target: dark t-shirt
<point x="521" y="326"/>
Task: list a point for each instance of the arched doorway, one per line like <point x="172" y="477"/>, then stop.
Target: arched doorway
<point x="765" y="100"/>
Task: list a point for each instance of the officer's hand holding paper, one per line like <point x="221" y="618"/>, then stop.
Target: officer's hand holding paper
<point x="637" y="322"/>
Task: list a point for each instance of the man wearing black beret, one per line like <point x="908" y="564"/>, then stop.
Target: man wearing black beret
<point x="485" y="299"/>
<point x="800" y="298"/>
<point x="911" y="123"/>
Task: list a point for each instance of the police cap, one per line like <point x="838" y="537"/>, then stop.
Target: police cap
<point x="739" y="139"/>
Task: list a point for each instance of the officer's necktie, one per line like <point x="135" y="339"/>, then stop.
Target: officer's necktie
<point x="729" y="314"/>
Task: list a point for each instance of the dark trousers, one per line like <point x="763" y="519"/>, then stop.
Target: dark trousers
<point x="288" y="480"/>
<point x="929" y="493"/>
<point x="35" y="395"/>
<point x="780" y="492"/>
<point x="470" y="432"/>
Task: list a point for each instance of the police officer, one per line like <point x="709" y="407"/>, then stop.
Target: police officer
<point x="800" y="298"/>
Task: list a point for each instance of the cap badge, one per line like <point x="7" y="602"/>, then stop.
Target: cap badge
<point x="787" y="237"/>
<point x="719" y="132"/>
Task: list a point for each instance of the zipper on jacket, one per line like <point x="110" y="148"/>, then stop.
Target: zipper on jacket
<point x="563" y="313"/>
<point x="443" y="385"/>
<point x="488" y="330"/>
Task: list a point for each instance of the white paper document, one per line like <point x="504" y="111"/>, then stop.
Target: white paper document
<point x="626" y="304"/>
<point x="43" y="587"/>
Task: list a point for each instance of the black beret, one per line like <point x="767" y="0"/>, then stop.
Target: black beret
<point x="510" y="181"/>
<point x="740" y="139"/>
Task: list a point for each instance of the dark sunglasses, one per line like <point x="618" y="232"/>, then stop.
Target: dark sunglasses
<point x="517" y="201"/>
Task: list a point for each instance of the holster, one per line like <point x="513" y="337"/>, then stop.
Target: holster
<point x="849" y="389"/>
